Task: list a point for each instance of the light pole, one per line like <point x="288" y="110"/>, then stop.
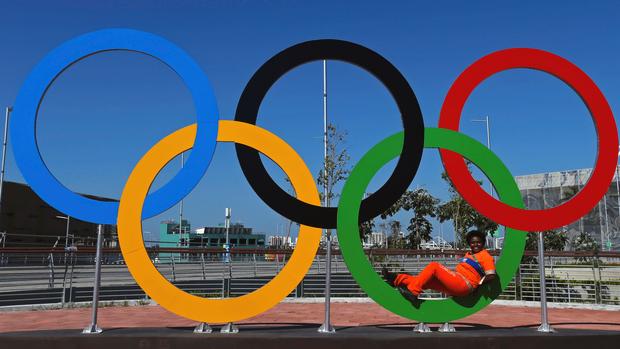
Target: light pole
<point x="68" y="218"/>
<point x="227" y="213"/>
<point x="64" y="279"/>
<point x="4" y="141"/>
<point x="326" y="327"/>
<point x="486" y="121"/>
<point x="181" y="241"/>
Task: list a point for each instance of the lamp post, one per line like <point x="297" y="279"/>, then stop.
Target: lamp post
<point x="4" y="141"/>
<point x="181" y="240"/>
<point x="64" y="279"/>
<point x="326" y="327"/>
<point x="68" y="218"/>
<point x="486" y="121"/>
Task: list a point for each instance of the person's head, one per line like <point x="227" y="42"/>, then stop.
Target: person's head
<point x="476" y="240"/>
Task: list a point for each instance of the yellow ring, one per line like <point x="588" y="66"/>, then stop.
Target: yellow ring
<point x="165" y="293"/>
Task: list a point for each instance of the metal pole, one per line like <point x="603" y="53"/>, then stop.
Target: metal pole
<point x="228" y="213"/>
<point x="229" y="328"/>
<point x="618" y="187"/>
<point x="4" y="141"/>
<point x="93" y="328"/>
<point x="486" y="121"/>
<point x="181" y="208"/>
<point x="326" y="327"/>
<point x="3" y="238"/>
<point x="67" y="232"/>
<point x="544" y="326"/>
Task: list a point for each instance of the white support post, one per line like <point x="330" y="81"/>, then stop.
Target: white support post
<point x="93" y="328"/>
<point x="326" y="327"/>
<point x="544" y="326"/>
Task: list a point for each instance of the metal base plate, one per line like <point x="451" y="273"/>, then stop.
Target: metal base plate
<point x="421" y="328"/>
<point x="230" y="328"/>
<point x="203" y="327"/>
<point x="545" y="328"/>
<point x="92" y="329"/>
<point x="447" y="327"/>
<point x="326" y="328"/>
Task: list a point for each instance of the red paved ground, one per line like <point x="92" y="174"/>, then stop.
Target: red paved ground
<point x="343" y="314"/>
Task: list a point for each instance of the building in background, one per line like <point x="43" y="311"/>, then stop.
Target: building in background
<point x="436" y="243"/>
<point x="239" y="236"/>
<point x="278" y="241"/>
<point x="28" y="221"/>
<point x="150" y="239"/>
<point x="602" y="223"/>
<point x="171" y="236"/>
<point x="323" y="242"/>
<point x="376" y="239"/>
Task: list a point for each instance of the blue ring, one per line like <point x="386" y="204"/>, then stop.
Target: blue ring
<point x="23" y="131"/>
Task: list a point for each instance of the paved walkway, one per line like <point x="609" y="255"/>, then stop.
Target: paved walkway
<point x="343" y="314"/>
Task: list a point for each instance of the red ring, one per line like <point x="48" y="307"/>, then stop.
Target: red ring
<point x="580" y="82"/>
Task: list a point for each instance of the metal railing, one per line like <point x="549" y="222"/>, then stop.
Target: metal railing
<point x="36" y="276"/>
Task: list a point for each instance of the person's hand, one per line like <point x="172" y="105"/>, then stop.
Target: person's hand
<point x="489" y="278"/>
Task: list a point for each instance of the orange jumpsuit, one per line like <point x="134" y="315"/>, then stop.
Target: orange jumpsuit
<point x="461" y="282"/>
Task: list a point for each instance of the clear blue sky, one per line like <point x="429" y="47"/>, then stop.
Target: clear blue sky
<point x="102" y="114"/>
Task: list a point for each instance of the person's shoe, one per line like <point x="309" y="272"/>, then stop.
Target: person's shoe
<point x="410" y="296"/>
<point x="388" y="276"/>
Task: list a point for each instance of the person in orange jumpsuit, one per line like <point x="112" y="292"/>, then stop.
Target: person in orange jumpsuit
<point x="475" y="268"/>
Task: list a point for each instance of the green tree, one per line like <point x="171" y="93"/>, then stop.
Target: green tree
<point x="335" y="167"/>
<point x="366" y="228"/>
<point x="423" y="205"/>
<point x="395" y="240"/>
<point x="554" y="240"/>
<point x="463" y="216"/>
<point x="585" y="243"/>
<point x="335" y="164"/>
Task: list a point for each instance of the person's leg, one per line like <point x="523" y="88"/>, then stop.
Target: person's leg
<point x="438" y="277"/>
<point x="394" y="279"/>
<point x="434" y="284"/>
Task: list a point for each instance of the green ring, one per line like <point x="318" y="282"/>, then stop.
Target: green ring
<point x="432" y="311"/>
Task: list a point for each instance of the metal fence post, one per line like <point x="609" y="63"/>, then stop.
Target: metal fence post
<point x="327" y="327"/>
<point x="544" y="326"/>
<point x="3" y="239"/>
<point x="202" y="262"/>
<point x="50" y="265"/>
<point x="597" y="285"/>
<point x="174" y="276"/>
<point x="299" y="291"/>
<point x="93" y="328"/>
<point x="73" y="256"/>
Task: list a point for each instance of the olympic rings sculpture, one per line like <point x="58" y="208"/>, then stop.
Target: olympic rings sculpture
<point x="135" y="205"/>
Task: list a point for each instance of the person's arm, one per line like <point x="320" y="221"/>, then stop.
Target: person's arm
<point x="488" y="263"/>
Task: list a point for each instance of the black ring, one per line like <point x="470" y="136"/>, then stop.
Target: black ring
<point x="375" y="64"/>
